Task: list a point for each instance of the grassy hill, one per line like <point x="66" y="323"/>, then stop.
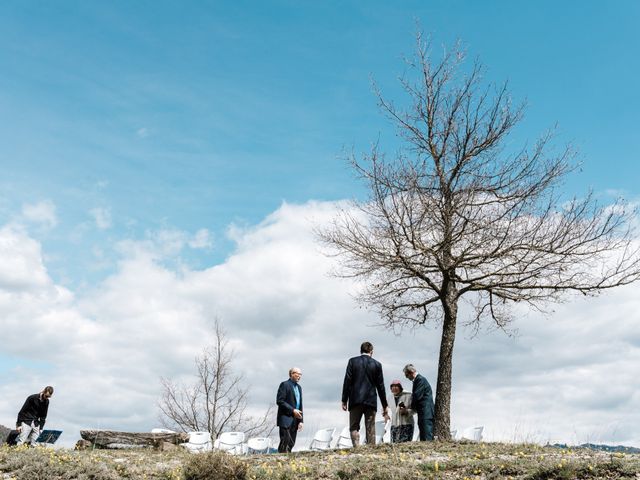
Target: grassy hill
<point x="455" y="460"/>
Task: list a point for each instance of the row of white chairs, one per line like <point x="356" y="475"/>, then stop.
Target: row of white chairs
<point x="231" y="442"/>
<point x="324" y="439"/>
<point x="234" y="442"/>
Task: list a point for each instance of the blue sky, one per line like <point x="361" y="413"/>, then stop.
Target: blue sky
<point x="187" y="128"/>
<point x="199" y="114"/>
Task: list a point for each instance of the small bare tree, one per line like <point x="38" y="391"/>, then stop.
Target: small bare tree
<point x="216" y="401"/>
<point x="452" y="216"/>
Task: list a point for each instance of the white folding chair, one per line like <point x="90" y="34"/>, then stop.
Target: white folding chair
<point x="344" y="440"/>
<point x="198" y="442"/>
<point x="472" y="433"/>
<point x="258" y="445"/>
<point x="381" y="430"/>
<point x="322" y="439"/>
<point x="230" y="442"/>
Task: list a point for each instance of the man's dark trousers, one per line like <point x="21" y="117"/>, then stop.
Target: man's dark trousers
<point x="288" y="437"/>
<point x="425" y="424"/>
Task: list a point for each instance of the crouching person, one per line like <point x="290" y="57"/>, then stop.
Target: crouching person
<point x="32" y="416"/>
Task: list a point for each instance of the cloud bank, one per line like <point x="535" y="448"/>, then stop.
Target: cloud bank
<point x="568" y="377"/>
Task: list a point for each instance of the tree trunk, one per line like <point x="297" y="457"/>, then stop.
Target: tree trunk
<point x="442" y="421"/>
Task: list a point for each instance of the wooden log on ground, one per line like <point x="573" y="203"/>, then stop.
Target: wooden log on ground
<point x="105" y="438"/>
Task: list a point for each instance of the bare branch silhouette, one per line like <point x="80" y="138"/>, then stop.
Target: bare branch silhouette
<point x="216" y="401"/>
<point x="452" y="215"/>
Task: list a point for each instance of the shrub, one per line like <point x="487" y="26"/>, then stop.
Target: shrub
<point x="4" y="433"/>
<point x="214" y="465"/>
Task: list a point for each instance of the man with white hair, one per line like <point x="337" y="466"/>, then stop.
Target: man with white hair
<point x="289" y="401"/>
<point x="421" y="401"/>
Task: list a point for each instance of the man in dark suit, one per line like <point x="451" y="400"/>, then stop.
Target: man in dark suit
<point x="361" y="381"/>
<point x="289" y="401"/>
<point x="421" y="401"/>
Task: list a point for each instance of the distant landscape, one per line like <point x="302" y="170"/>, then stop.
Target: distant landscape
<point x="604" y="448"/>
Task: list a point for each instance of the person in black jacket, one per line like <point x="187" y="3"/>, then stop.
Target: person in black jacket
<point x="289" y="401"/>
<point x="361" y="381"/>
<point x="421" y="401"/>
<point x="32" y="416"/>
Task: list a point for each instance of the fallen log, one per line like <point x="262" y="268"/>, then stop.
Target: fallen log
<point x="112" y="439"/>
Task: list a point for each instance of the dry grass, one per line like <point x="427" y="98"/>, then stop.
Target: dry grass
<point x="455" y="460"/>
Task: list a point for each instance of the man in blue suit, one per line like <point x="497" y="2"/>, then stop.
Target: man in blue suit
<point x="361" y="381"/>
<point x="289" y="401"/>
<point x="421" y="402"/>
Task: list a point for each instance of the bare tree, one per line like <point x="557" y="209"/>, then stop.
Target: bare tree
<point x="452" y="215"/>
<point x="216" y="401"/>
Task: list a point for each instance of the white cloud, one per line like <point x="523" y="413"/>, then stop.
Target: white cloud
<point x="201" y="240"/>
<point x="165" y="244"/>
<point x="21" y="265"/>
<point x="102" y="217"/>
<point x="43" y="213"/>
<point x="568" y="377"/>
